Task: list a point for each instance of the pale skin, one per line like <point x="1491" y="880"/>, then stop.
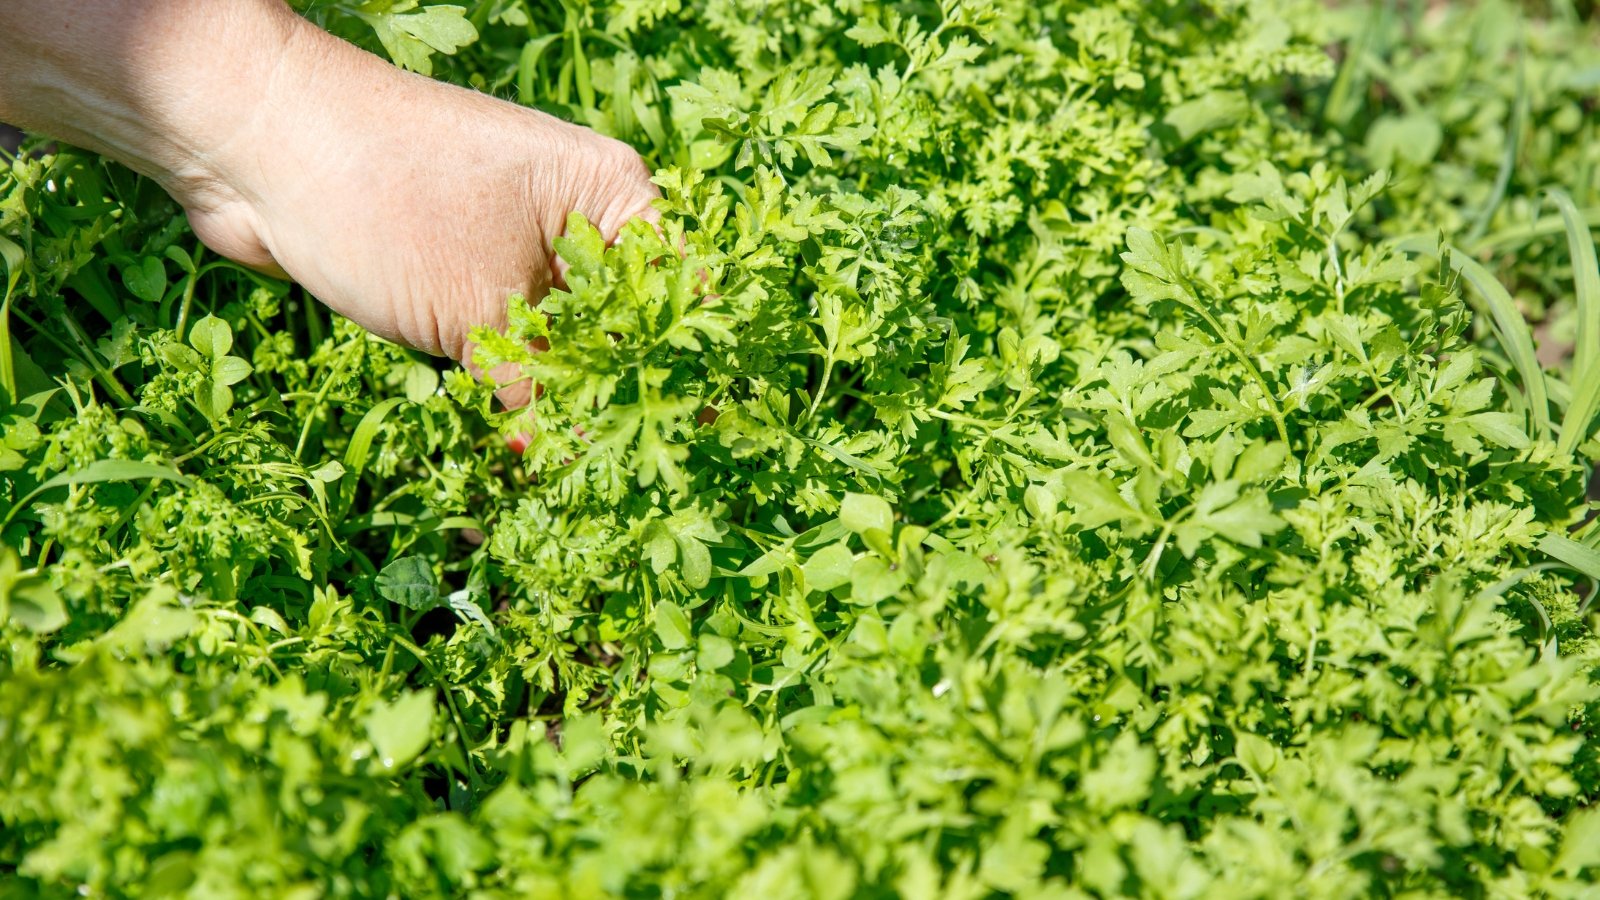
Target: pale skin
<point x="413" y="207"/>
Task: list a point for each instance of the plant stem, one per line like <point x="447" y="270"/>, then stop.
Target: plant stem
<point x="1243" y="357"/>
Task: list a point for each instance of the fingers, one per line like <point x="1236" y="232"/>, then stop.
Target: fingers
<point x="625" y="191"/>
<point x="615" y="190"/>
<point x="514" y="390"/>
<point x="610" y="226"/>
<point x="618" y="190"/>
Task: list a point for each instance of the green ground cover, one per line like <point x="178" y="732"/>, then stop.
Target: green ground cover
<point x="1149" y="458"/>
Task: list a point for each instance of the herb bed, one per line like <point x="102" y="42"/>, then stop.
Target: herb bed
<point x="1132" y="472"/>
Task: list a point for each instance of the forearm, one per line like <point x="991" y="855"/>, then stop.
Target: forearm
<point x="160" y="85"/>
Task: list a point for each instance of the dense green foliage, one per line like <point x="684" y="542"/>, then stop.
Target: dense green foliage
<point x="1067" y="458"/>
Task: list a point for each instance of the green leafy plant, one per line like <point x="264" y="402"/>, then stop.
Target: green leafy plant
<point x="409" y="32"/>
<point x="1049" y="450"/>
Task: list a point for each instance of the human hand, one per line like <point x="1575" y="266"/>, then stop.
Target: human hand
<point x="413" y="207"/>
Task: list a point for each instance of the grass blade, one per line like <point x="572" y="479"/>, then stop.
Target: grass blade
<point x="1509" y="327"/>
<point x="528" y="68"/>
<point x="1586" y="357"/>
<point x="1508" y="161"/>
<point x="1344" y="98"/>
<point x="12" y="256"/>
<point x="1581" y="557"/>
<point x="1513" y="238"/>
<point x="98" y="472"/>
<point x="359" y="449"/>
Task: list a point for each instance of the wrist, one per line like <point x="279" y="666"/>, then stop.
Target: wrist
<point x="209" y="112"/>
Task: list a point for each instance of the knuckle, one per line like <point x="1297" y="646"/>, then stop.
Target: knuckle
<point x="621" y="185"/>
<point x="624" y="163"/>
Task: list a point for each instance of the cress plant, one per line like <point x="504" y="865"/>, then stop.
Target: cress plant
<point x="1051" y="449"/>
